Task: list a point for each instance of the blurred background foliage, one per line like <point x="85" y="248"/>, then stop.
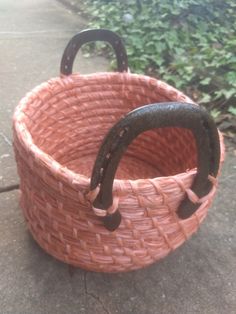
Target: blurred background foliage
<point x="191" y="44"/>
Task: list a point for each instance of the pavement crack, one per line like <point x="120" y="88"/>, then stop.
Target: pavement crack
<point x="5" y="138"/>
<point x="92" y="295"/>
<point x="9" y="188"/>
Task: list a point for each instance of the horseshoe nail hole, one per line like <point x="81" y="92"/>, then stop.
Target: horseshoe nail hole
<point x="68" y="58"/>
<point x="108" y="155"/>
<point x="123" y="62"/>
<point x="101" y="171"/>
<point x="123" y="131"/>
<point x="66" y="67"/>
<point x="114" y="144"/>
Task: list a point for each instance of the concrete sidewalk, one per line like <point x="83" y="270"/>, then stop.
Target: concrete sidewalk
<point x="200" y="277"/>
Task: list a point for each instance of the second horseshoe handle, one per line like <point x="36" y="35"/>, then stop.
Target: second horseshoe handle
<point x="91" y="35"/>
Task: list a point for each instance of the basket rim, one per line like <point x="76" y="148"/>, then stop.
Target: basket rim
<point x="65" y="174"/>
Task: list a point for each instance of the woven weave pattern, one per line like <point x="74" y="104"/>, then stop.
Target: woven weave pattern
<point x="58" y="128"/>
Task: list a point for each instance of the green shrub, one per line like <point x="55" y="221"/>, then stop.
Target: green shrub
<point x="189" y="43"/>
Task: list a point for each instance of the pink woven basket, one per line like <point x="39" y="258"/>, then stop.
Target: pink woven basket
<point x="154" y="168"/>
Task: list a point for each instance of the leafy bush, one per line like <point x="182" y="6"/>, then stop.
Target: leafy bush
<point x="189" y="43"/>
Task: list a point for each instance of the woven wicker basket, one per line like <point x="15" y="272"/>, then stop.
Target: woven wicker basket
<point x="74" y="125"/>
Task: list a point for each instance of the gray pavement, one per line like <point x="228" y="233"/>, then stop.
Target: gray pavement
<point x="200" y="277"/>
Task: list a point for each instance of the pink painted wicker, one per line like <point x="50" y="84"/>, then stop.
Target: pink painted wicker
<point x="58" y="128"/>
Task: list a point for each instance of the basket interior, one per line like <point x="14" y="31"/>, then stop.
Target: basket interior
<point x="71" y="124"/>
